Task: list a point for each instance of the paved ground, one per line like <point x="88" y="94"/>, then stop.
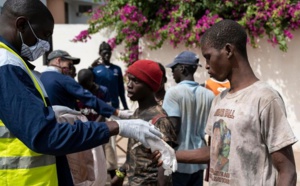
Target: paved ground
<point x="121" y="159"/>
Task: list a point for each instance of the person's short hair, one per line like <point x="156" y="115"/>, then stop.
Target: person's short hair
<point x="84" y="75"/>
<point x="104" y="46"/>
<point x="223" y="32"/>
<point x="32" y="9"/>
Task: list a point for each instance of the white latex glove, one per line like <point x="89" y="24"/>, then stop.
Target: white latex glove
<point x="60" y="110"/>
<point x="125" y="114"/>
<point x="168" y="156"/>
<point x="114" y="118"/>
<point x="140" y="130"/>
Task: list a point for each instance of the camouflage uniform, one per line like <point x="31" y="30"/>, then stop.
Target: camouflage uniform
<point x="140" y="169"/>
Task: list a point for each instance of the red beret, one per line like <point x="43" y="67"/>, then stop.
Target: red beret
<point x="147" y="71"/>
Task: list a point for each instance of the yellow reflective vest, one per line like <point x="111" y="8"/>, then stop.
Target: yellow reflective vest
<point x="20" y="166"/>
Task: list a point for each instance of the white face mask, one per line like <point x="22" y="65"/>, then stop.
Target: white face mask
<point x="35" y="51"/>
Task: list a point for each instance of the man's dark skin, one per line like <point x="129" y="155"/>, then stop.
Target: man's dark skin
<point x="232" y="64"/>
<point x="105" y="56"/>
<point x="142" y="93"/>
<point x="40" y="132"/>
<point x="181" y="73"/>
<point x="12" y="23"/>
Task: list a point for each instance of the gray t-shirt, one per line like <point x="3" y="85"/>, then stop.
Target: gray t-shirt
<point x="245" y="128"/>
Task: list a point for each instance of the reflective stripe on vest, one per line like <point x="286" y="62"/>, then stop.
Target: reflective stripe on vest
<point x="18" y="164"/>
<point x="25" y="162"/>
<point x="5" y="133"/>
<point x="36" y="84"/>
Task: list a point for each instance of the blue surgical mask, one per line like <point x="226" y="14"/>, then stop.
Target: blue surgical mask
<point x="35" y="51"/>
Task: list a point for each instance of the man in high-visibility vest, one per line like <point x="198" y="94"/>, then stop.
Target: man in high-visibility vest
<point x="31" y="140"/>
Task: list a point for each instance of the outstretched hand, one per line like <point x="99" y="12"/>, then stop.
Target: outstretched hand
<point x="139" y="129"/>
<point x="125" y="114"/>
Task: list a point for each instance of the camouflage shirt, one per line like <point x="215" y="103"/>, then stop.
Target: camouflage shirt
<point x="140" y="169"/>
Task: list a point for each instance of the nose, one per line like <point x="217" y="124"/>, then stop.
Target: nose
<point x="207" y="66"/>
<point x="129" y="84"/>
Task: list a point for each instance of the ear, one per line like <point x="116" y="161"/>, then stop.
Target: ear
<point x="21" y="23"/>
<point x="182" y="69"/>
<point x="229" y="48"/>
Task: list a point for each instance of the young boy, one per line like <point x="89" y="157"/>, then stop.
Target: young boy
<point x="86" y="80"/>
<point x="251" y="139"/>
<point x="144" y="79"/>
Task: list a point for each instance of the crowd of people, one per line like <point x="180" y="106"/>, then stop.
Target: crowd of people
<point x="249" y="138"/>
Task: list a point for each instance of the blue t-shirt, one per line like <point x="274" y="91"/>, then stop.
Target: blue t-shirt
<point x="111" y="77"/>
<point x="191" y="102"/>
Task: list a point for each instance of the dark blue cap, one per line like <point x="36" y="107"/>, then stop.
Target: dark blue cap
<point x="185" y="58"/>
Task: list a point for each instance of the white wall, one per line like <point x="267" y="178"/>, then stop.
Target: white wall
<point x="279" y="69"/>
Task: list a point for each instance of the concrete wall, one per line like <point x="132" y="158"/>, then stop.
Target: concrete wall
<point x="74" y="16"/>
<point x="270" y="64"/>
<point x="57" y="8"/>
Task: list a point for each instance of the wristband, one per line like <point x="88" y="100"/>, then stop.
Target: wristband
<point x="120" y="173"/>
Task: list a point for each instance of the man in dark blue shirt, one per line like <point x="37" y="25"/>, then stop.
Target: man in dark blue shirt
<point x="64" y="90"/>
<point x="110" y="76"/>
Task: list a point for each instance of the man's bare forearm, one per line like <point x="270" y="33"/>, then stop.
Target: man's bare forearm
<point x="113" y="127"/>
<point x="196" y="156"/>
<point x="284" y="162"/>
